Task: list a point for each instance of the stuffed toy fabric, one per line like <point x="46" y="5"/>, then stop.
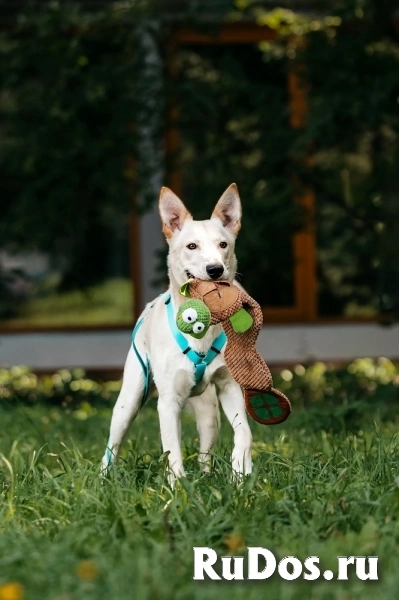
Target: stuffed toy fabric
<point x="241" y="318"/>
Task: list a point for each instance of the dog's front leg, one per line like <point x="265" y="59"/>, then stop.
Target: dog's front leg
<point x="232" y="401"/>
<point x="125" y="410"/>
<point x="169" y="410"/>
<point x="206" y="410"/>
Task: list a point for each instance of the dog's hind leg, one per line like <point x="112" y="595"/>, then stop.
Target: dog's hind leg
<point x="206" y="410"/>
<point x="126" y="408"/>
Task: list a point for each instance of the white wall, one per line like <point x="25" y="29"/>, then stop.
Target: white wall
<point x="278" y="344"/>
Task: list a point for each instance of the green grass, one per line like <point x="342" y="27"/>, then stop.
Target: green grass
<point x="109" y="303"/>
<point x="312" y="493"/>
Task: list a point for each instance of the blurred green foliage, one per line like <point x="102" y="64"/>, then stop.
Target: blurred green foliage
<point x="339" y="396"/>
<point x="354" y="128"/>
<point x="66" y="387"/>
<point x="71" y="82"/>
<point x="82" y="94"/>
<point x="333" y="397"/>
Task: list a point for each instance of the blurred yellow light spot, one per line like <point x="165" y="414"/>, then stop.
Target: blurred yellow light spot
<point x="82" y="61"/>
<point x="234" y="542"/>
<point x="300" y="370"/>
<point x="11" y="591"/>
<point x="87" y="570"/>
<point x="286" y="375"/>
<point x="80" y="415"/>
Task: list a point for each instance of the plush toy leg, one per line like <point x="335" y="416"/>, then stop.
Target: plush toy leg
<point x="267" y="407"/>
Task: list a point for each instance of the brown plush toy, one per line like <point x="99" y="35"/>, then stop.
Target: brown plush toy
<point x="241" y="318"/>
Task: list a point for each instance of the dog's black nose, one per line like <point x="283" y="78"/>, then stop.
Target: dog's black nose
<point x="214" y="271"/>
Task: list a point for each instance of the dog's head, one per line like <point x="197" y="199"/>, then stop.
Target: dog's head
<point x="201" y="249"/>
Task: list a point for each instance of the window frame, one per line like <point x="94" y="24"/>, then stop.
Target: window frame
<point x="305" y="308"/>
<point x="304" y="251"/>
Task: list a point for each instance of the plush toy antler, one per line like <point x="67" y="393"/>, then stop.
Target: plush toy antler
<point x="241" y="318"/>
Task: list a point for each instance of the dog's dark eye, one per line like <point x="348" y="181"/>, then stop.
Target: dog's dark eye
<point x="223" y="244"/>
<point x="192" y="246"/>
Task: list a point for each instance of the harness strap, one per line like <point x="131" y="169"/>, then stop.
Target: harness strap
<point x="199" y="360"/>
<point x="145" y="365"/>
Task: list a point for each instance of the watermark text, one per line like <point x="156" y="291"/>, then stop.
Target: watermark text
<point x="261" y="563"/>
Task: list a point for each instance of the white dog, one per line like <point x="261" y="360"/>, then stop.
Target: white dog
<point x="204" y="250"/>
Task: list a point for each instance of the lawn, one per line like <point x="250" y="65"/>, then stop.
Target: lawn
<point x="68" y="535"/>
<point x="109" y="302"/>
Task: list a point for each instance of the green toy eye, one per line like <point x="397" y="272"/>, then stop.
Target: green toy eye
<point x="189" y="315"/>
<point x="198" y="327"/>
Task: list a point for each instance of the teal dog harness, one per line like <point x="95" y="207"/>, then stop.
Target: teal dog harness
<point x="199" y="360"/>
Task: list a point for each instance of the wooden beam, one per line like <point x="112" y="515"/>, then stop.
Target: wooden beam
<point x="232" y="33"/>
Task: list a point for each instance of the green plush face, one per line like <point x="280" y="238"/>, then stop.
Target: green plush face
<point x="194" y="318"/>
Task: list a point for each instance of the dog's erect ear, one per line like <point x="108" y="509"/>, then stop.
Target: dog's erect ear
<point x="228" y="209"/>
<point x="173" y="212"/>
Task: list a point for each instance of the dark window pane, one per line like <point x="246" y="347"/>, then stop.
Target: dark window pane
<point x="357" y="231"/>
<point x="233" y="121"/>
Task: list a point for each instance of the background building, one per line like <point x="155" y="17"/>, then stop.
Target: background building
<point x="104" y="103"/>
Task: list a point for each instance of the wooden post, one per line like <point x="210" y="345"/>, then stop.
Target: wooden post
<point x="304" y="241"/>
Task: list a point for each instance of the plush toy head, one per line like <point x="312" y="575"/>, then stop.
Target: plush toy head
<point x="194" y="318"/>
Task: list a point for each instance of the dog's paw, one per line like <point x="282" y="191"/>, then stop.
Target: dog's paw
<point x="105" y="465"/>
<point x="173" y="477"/>
<point x="205" y="462"/>
<point x="241" y="466"/>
